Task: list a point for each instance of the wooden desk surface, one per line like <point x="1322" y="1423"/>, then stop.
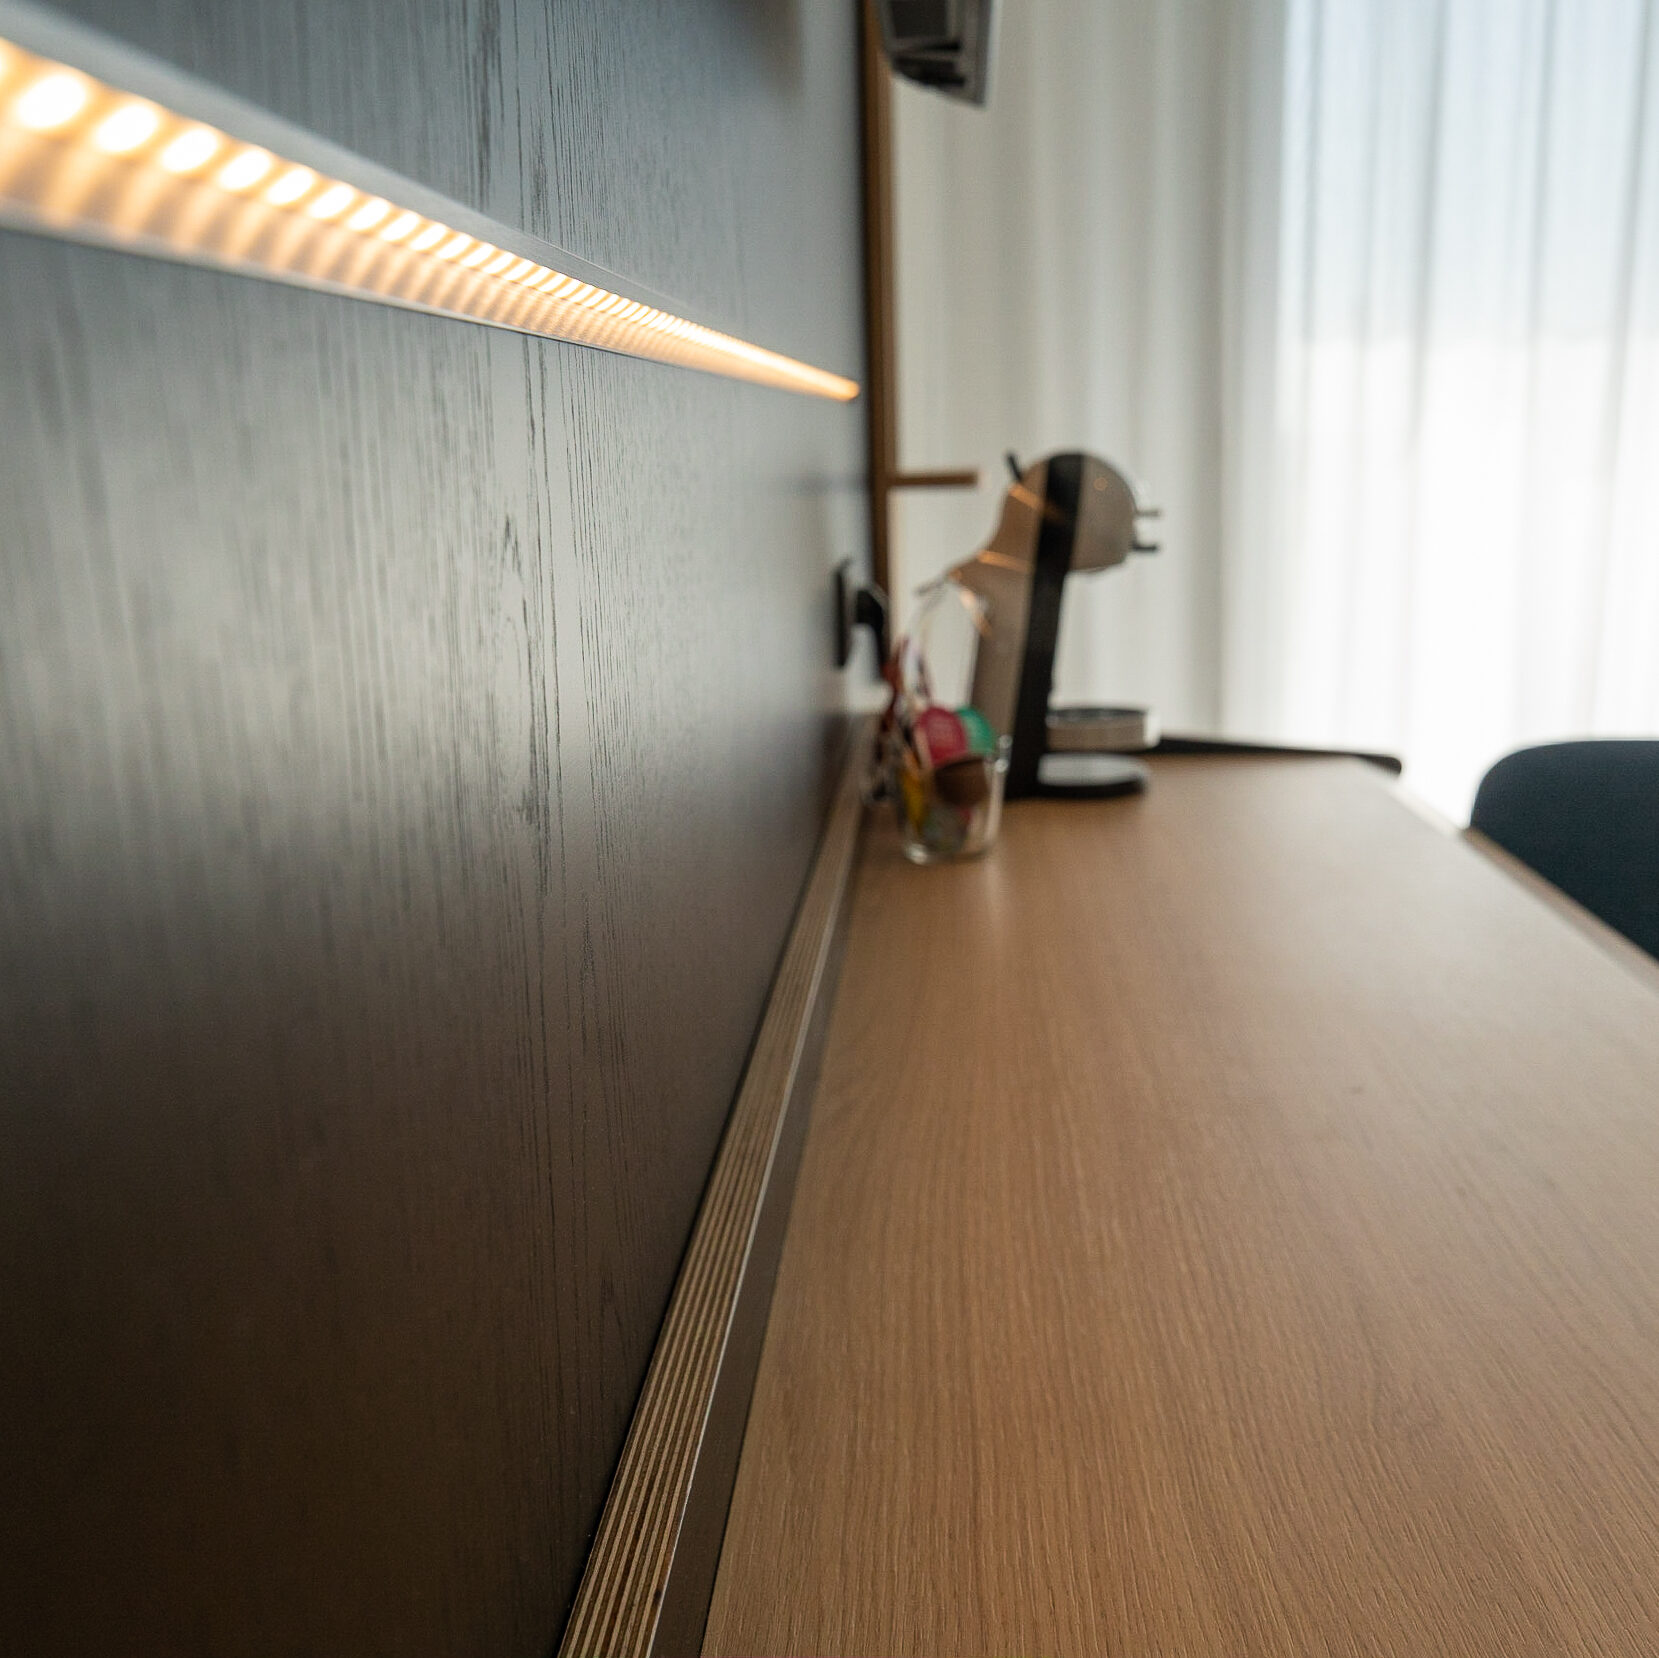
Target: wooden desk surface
<point x="1229" y="1225"/>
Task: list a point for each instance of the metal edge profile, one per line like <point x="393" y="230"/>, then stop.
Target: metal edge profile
<point x="649" y="1578"/>
<point x="1606" y="938"/>
<point x="1175" y="743"/>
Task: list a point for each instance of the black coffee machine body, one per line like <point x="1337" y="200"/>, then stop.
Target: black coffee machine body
<point x="1070" y="514"/>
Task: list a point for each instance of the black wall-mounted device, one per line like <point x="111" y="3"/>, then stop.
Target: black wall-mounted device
<point x="943" y="44"/>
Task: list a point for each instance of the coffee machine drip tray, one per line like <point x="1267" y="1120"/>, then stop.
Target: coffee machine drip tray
<point x="1082" y="776"/>
<point x="1101" y="730"/>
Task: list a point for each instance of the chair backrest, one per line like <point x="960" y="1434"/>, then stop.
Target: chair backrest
<point x="1585" y="816"/>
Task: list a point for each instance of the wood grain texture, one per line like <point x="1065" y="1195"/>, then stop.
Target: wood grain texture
<point x="654" y="1558"/>
<point x="413" y="740"/>
<point x="1229" y="1224"/>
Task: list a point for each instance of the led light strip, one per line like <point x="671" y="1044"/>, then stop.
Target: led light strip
<point x="80" y="158"/>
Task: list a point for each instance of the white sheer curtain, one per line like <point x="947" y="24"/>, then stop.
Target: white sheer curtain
<point x="1369" y="291"/>
<point x="1458" y="547"/>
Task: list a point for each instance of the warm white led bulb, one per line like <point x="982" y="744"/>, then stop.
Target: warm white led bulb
<point x="369" y="214"/>
<point x="55" y="119"/>
<point x="244" y="171"/>
<point x="51" y="102"/>
<point x="190" y="150"/>
<point x="332" y="202"/>
<point x="290" y="187"/>
<point x="123" y="130"/>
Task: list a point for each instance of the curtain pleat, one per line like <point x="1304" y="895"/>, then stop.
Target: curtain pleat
<point x="1461" y="532"/>
<point x="1368" y="292"/>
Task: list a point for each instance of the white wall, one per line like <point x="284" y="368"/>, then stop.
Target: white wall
<point x="1059" y="283"/>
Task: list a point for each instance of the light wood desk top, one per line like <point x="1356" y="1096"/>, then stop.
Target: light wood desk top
<point x="1229" y="1225"/>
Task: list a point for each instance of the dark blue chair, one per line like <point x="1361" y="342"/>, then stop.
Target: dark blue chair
<point x="1585" y="816"/>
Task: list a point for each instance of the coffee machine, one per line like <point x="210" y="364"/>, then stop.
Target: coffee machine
<point x="1069" y="514"/>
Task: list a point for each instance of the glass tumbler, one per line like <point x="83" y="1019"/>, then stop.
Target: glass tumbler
<point x="948" y="811"/>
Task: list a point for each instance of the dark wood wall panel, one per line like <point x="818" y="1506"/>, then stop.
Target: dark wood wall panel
<point x="412" y="742"/>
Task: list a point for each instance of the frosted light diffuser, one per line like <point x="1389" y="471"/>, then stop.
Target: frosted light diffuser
<point x="87" y="160"/>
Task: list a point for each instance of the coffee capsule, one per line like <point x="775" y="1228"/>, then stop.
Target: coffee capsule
<point x="982" y="739"/>
<point x="940" y="736"/>
<point x="963" y="783"/>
